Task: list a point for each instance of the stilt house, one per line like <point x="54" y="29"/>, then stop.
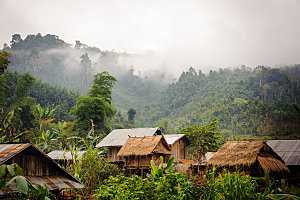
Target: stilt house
<point x="37" y="167"/>
<point x="178" y="143"/>
<point x="137" y="153"/>
<point x="253" y="158"/>
<point x="118" y="137"/>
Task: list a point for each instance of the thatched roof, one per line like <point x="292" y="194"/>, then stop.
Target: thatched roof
<point x="118" y="137"/>
<point x="185" y="161"/>
<point x="140" y="146"/>
<point x="182" y="167"/>
<point x="247" y="153"/>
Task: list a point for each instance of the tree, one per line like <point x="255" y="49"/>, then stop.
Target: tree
<point x="24" y="85"/>
<point x="16" y="39"/>
<point x="131" y="113"/>
<point x="102" y="86"/>
<point x="78" y="44"/>
<point x="96" y="105"/>
<point x="203" y="138"/>
<point x="129" y="123"/>
<point x="4" y="62"/>
<point x="10" y="121"/>
<point x="86" y="65"/>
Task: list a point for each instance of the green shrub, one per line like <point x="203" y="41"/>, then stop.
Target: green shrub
<point x="229" y="186"/>
<point x="237" y="185"/>
<point x="27" y="190"/>
<point x="92" y="169"/>
<point x="169" y="186"/>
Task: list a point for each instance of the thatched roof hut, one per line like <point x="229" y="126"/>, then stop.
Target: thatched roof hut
<point x="118" y="137"/>
<point x="253" y="157"/>
<point x="142" y="146"/>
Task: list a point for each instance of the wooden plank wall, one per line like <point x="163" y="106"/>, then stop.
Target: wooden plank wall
<point x="112" y="154"/>
<point x="34" y="165"/>
<point x="139" y="161"/>
<point x="179" y="150"/>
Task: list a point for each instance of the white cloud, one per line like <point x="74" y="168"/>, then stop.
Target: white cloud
<point x="183" y="33"/>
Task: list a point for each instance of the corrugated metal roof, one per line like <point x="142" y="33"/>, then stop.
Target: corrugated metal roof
<point x="64" y="155"/>
<point x="52" y="183"/>
<point x="172" y="138"/>
<point x="288" y="150"/>
<point x="118" y="137"/>
<point x="7" y="151"/>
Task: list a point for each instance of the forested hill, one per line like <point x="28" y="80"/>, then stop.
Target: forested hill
<point x="248" y="101"/>
<point x="52" y="60"/>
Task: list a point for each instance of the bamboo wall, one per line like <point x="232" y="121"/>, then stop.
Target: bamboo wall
<point x="112" y="154"/>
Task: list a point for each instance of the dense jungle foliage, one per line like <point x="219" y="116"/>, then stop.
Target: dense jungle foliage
<point x="255" y="102"/>
<point x="248" y="101"/>
<point x="45" y="104"/>
<point x="174" y="185"/>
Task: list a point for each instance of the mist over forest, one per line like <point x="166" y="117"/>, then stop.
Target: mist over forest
<point x="137" y="99"/>
<point x="248" y="101"/>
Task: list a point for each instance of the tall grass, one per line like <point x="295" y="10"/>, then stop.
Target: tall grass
<point x="235" y="185"/>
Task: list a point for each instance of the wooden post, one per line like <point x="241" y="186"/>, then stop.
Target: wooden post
<point x="142" y="173"/>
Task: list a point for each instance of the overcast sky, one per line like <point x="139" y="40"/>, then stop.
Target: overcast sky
<point x="198" y="33"/>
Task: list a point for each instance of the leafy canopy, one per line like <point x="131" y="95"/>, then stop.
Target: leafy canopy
<point x="96" y="105"/>
<point x="203" y="138"/>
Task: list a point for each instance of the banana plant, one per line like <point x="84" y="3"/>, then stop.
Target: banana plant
<point x="13" y="173"/>
<point x="60" y="135"/>
<point x="9" y="123"/>
<point x="159" y="172"/>
<point x="44" y="141"/>
<point x="43" y="116"/>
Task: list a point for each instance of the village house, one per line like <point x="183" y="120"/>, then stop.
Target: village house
<point x="37" y="167"/>
<point x="137" y="153"/>
<point x="65" y="158"/>
<point x="252" y="157"/>
<point x="178" y="143"/>
<point x="117" y="138"/>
